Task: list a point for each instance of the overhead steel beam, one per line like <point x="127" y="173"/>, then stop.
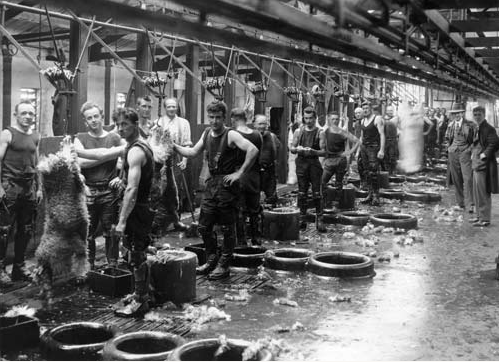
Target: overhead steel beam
<point x="492" y="41"/>
<point x="487" y="53"/>
<point x="458" y="4"/>
<point x="162" y="22"/>
<point x="42" y="36"/>
<point x="474" y="26"/>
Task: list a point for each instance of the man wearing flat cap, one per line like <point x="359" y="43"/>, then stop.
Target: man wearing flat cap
<point x="460" y="135"/>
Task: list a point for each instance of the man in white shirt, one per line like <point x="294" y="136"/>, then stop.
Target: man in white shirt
<point x="168" y="183"/>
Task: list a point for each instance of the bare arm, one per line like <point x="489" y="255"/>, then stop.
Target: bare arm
<point x="429" y="123"/>
<point x="235" y="138"/>
<point x="294" y="146"/>
<point x="101" y="154"/>
<point x="355" y="141"/>
<point x="136" y="158"/>
<point x="381" y="129"/>
<point x="5" y="139"/>
<point x="85" y="162"/>
<point x="190" y="152"/>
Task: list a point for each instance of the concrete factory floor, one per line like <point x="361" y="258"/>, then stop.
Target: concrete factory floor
<point x="437" y="301"/>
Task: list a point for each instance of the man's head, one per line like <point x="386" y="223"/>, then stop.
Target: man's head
<point x="390" y="111"/>
<point x="358" y="113"/>
<point x="367" y="109"/>
<point x="127" y="123"/>
<point x="171" y="107"/>
<point x="333" y="119"/>
<point x="309" y="116"/>
<point x="261" y="124"/>
<point x="479" y="114"/>
<point x="237" y="117"/>
<point x="216" y="110"/>
<point x="144" y="107"/>
<point x="431" y="112"/>
<point x="93" y="115"/>
<point x="25" y="114"/>
<point x="443" y="110"/>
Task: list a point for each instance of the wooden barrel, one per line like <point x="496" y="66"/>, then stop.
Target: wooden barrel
<point x="281" y="224"/>
<point x="173" y="276"/>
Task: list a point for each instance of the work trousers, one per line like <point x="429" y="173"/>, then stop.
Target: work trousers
<point x="18" y="209"/>
<point x="391" y="155"/>
<point x="268" y="183"/>
<point x="164" y="196"/>
<point x="482" y="198"/>
<point x="334" y="165"/>
<point x="370" y="165"/>
<point x="102" y="207"/>
<point x="309" y="173"/>
<point x="462" y="177"/>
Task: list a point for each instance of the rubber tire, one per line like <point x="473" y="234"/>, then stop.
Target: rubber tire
<point x="361" y="194"/>
<point x="392" y="194"/>
<point x="328" y="218"/>
<point x="396" y="179"/>
<point x="199" y="250"/>
<point x="422" y="196"/>
<point x="401" y="221"/>
<point x="439" y="180"/>
<point x="364" y="268"/>
<point x="279" y="225"/>
<point x="248" y="256"/>
<point x="276" y="262"/>
<point x="201" y="349"/>
<point x="52" y="349"/>
<point x="353" y="218"/>
<point x="415" y="179"/>
<point x="111" y="352"/>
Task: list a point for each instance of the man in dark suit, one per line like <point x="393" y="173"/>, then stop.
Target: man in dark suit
<point x="460" y="135"/>
<point x="484" y="164"/>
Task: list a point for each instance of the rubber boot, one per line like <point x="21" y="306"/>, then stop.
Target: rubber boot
<point x="20" y="273"/>
<point x="303" y="221"/>
<point x="138" y="303"/>
<point x="255" y="227"/>
<point x="5" y="280"/>
<point x="241" y="229"/>
<point x="319" y="218"/>
<point x="112" y="251"/>
<point x="222" y="270"/>
<point x="209" y="266"/>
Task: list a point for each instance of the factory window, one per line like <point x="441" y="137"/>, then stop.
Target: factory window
<point x="120" y="100"/>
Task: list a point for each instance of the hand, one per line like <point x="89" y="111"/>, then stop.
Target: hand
<point x="39" y="196"/>
<point x="120" y="229"/>
<point x="182" y="164"/>
<point x="116" y="183"/>
<point x="230" y="179"/>
<point x="381" y="155"/>
<point x="482" y="156"/>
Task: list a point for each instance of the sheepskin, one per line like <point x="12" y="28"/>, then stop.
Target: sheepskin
<point x="62" y="248"/>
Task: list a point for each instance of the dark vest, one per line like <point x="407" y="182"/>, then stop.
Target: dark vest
<point x="147" y="170"/>
<point x="309" y="139"/>
<point x="105" y="172"/>
<point x="222" y="160"/>
<point x="256" y="139"/>
<point x="370" y="133"/>
<point x="19" y="161"/>
<point x="335" y="143"/>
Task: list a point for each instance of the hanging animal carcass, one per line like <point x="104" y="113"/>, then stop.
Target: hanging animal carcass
<point x="62" y="246"/>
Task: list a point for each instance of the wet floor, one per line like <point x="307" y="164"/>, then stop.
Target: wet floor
<point x="436" y="301"/>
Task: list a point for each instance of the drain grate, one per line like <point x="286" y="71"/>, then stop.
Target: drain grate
<point x="172" y="324"/>
<point x="251" y="280"/>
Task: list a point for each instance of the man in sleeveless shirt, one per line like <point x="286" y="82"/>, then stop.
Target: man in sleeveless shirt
<point x="168" y="188"/>
<point x="357" y="127"/>
<point x="220" y="200"/>
<point x="372" y="151"/>
<point x="392" y="126"/>
<point x="135" y="216"/>
<point x="268" y="159"/>
<point x="250" y="184"/>
<point x="460" y="134"/>
<point x="20" y="189"/>
<point x="102" y="201"/>
<point x="308" y="168"/>
<point x="333" y="143"/>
